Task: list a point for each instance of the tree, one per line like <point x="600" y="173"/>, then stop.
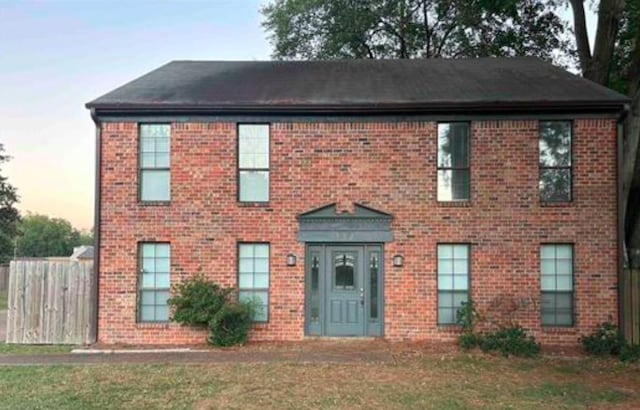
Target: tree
<point x="9" y="215"/>
<point x="615" y="62"/>
<point x="330" y="29"/>
<point x="43" y="236"/>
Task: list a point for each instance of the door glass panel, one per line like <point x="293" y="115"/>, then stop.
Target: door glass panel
<point x="344" y="271"/>
<point x="374" y="261"/>
<point x="315" y="288"/>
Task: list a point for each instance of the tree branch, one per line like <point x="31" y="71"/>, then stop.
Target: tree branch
<point x="582" y="38"/>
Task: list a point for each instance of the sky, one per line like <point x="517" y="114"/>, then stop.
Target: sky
<point x="57" y="55"/>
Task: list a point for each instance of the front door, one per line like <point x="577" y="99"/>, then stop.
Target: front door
<point x="344" y="290"/>
<point x="344" y="282"/>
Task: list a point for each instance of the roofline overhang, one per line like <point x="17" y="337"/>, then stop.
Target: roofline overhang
<point x="362" y="109"/>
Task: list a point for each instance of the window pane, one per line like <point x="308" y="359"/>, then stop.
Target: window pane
<point x="373" y="283"/>
<point x="564" y="319"/>
<point x="246" y="251"/>
<point x="564" y="266"/>
<point x="162" y="280"/>
<point x="261" y="280"/>
<point x="446" y="316"/>
<point x="261" y="251"/>
<point x="155" y="185"/>
<point x="161" y="298"/>
<point x="261" y="265"/>
<point x="162" y="160"/>
<point x="245" y="281"/>
<point x="459" y="298"/>
<point x="148" y="280"/>
<point x="547" y="252"/>
<point x="148" y="160"/>
<point x="246" y="265"/>
<point x="253" y="146"/>
<point x="445" y="282"/>
<point x="548" y="267"/>
<point x="445" y="251"/>
<point x="461" y="251"/>
<point x="555" y="184"/>
<point x="564" y="301"/>
<point x="548" y="282"/>
<point x="453" y="143"/>
<point x="564" y="282"/>
<point x="149" y="265"/>
<point x="564" y="251"/>
<point x="162" y="250"/>
<point x="445" y="299"/>
<point x="453" y="185"/>
<point x="162" y="313"/>
<point x="445" y="266"/>
<point x="555" y="144"/>
<point x="155" y="130"/>
<point x="254" y="186"/>
<point x="460" y="282"/>
<point x="461" y="266"/>
<point x="147" y="313"/>
<point x="148" y="297"/>
<point x="163" y="265"/>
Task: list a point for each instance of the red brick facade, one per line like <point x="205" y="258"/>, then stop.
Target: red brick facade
<point x="390" y="166"/>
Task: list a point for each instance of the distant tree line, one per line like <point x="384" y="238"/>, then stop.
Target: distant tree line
<point x="33" y="235"/>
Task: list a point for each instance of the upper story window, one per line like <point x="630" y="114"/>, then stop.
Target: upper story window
<point x="453" y="162"/>
<point x="555" y="161"/>
<point x="253" y="162"/>
<point x="154" y="162"/>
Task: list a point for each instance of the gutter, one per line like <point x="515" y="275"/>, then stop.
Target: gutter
<point x="96" y="227"/>
<point x="346" y="109"/>
<point x="622" y="280"/>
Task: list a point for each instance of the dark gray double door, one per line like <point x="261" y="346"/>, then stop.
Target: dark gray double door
<point x="344" y="290"/>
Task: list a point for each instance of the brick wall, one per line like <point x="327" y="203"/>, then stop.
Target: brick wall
<point x="388" y="166"/>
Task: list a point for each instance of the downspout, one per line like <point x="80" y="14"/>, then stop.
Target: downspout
<point x="96" y="226"/>
<point x="621" y="212"/>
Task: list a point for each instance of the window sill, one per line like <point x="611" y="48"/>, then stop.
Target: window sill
<point x="254" y="204"/>
<point x="454" y="204"/>
<point x="563" y="204"/>
<point x="562" y="330"/>
<point x="154" y="203"/>
<point x="153" y="325"/>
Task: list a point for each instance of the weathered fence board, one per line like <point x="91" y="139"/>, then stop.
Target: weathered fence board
<point x="4" y="277"/>
<point x="50" y="302"/>
<point x="631" y="305"/>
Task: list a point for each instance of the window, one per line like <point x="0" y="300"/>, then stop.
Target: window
<point x="154" y="282"/>
<point x="453" y="162"/>
<point x="556" y="269"/>
<point x="453" y="281"/>
<point x="253" y="162"/>
<point x="155" y="158"/>
<point x="254" y="277"/>
<point x="555" y="161"/>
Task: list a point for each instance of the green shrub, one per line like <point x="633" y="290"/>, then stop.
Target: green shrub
<point x="511" y="341"/>
<point x="469" y="340"/>
<point x="630" y="353"/>
<point x="231" y="324"/>
<point x="606" y="340"/>
<point x="467" y="316"/>
<point x="197" y="300"/>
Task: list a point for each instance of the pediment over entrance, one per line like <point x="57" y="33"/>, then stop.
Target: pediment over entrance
<point x="325" y="224"/>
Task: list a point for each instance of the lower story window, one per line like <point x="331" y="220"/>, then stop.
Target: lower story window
<point x="453" y="281"/>
<point x="154" y="282"/>
<point x="253" y="277"/>
<point x="556" y="276"/>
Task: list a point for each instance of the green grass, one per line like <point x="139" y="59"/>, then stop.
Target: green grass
<point x="3" y="300"/>
<point x="429" y="383"/>
<point x="15" y="350"/>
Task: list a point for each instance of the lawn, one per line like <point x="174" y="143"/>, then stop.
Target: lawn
<point x="459" y="382"/>
<point x="20" y="350"/>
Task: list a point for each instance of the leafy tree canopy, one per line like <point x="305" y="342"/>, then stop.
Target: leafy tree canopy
<point x="43" y="236"/>
<point x="331" y="29"/>
<point x="9" y="215"/>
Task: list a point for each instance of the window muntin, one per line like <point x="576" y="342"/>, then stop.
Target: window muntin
<point x="556" y="284"/>
<point x="453" y="281"/>
<point x="253" y="277"/>
<point x="555" y="161"/>
<point x="155" y="162"/>
<point x="454" y="180"/>
<point x="253" y="162"/>
<point x="154" y="282"/>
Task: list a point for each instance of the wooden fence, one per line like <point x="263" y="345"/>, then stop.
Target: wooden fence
<point x="4" y="277"/>
<point x="50" y="302"/>
<point x="631" y="305"/>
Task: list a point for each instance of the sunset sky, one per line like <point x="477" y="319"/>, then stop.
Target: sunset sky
<point x="56" y="56"/>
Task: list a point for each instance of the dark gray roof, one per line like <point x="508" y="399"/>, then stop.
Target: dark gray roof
<point x="357" y="86"/>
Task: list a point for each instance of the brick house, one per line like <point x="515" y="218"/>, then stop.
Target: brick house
<point x="360" y="198"/>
